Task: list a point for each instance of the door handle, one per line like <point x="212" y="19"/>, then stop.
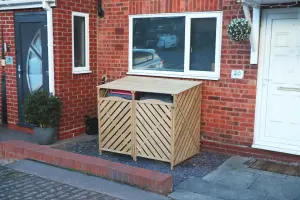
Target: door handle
<point x="289" y="89"/>
<point x="19" y="69"/>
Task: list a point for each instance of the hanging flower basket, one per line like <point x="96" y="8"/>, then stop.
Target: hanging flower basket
<point x="239" y="29"/>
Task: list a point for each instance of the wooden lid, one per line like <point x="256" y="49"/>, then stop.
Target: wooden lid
<point x="153" y="85"/>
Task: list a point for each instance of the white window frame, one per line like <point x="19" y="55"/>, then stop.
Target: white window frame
<point x="86" y="68"/>
<point x="24" y="4"/>
<point x="187" y="72"/>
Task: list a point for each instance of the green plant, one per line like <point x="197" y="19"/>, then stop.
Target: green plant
<point x="42" y="109"/>
<point x="239" y="29"/>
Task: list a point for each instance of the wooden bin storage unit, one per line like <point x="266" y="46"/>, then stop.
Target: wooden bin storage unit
<point x="151" y="128"/>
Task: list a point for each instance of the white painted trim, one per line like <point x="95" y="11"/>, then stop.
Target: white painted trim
<point x="50" y="47"/>
<point x="25" y="4"/>
<point x="172" y="75"/>
<point x="255" y="33"/>
<point x="187" y="72"/>
<point x="85" y="69"/>
<point x="83" y="72"/>
<point x="294" y="151"/>
<point x="258" y="142"/>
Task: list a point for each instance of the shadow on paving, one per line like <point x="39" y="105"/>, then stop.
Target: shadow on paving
<point x="198" y="166"/>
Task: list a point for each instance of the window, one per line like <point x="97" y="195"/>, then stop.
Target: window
<point x="80" y="35"/>
<point x="184" y="45"/>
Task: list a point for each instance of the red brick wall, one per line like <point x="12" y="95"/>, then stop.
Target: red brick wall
<point x="228" y="105"/>
<point x="78" y="92"/>
<point x="7" y="19"/>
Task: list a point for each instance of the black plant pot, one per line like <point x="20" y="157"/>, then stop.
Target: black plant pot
<point x="45" y="136"/>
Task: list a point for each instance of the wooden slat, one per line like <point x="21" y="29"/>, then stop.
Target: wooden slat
<point x="99" y="113"/>
<point x="120" y="121"/>
<point x="173" y="111"/>
<point x="147" y="84"/>
<point x="156" y="121"/>
<point x="115" y="125"/>
<point x="120" y="133"/>
<point x="123" y="141"/>
<point x="187" y="125"/>
<point x="159" y="159"/>
<point x="184" y="143"/>
<point x="151" y="137"/>
<point x="155" y="102"/>
<point x="140" y="147"/>
<point x="146" y="142"/>
<point x="154" y="131"/>
<point x="193" y="124"/>
<point x="133" y="123"/>
<point x="112" y="120"/>
<point x="114" y="151"/>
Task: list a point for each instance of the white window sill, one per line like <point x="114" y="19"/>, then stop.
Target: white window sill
<point x="188" y="76"/>
<point x="82" y="72"/>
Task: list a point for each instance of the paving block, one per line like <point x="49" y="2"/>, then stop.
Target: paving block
<point x="277" y="187"/>
<point x="293" y="178"/>
<point x="217" y="190"/>
<point x="186" y="195"/>
<point x="233" y="178"/>
<point x="269" y="197"/>
<point x="235" y="163"/>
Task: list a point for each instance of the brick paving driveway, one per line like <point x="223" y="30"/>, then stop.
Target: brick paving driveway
<point x="16" y="185"/>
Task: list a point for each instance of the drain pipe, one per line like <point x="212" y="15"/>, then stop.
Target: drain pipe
<point x="49" y="10"/>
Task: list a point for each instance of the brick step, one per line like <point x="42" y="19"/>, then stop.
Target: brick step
<point x="147" y="179"/>
<point x="83" y="181"/>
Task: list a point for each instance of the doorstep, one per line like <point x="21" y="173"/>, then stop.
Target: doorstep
<point x="146" y="179"/>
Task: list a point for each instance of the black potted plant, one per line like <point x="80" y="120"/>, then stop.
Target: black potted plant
<point x="43" y="111"/>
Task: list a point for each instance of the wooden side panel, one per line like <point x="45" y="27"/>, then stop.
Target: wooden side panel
<point x="187" y="124"/>
<point x="100" y="94"/>
<point x="115" y="117"/>
<point x="153" y="130"/>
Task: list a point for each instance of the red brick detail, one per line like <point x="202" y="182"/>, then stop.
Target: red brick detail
<point x="231" y="149"/>
<point x="143" y="178"/>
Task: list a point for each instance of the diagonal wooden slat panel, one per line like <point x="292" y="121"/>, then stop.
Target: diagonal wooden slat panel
<point x="146" y="142"/>
<point x="117" y="119"/>
<point x="124" y="139"/>
<point x="154" y="131"/>
<point x="187" y="126"/>
<point x="156" y="121"/>
<point x="115" y="126"/>
<point x="151" y="136"/>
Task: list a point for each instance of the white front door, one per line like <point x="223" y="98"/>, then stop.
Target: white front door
<point x="278" y="95"/>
